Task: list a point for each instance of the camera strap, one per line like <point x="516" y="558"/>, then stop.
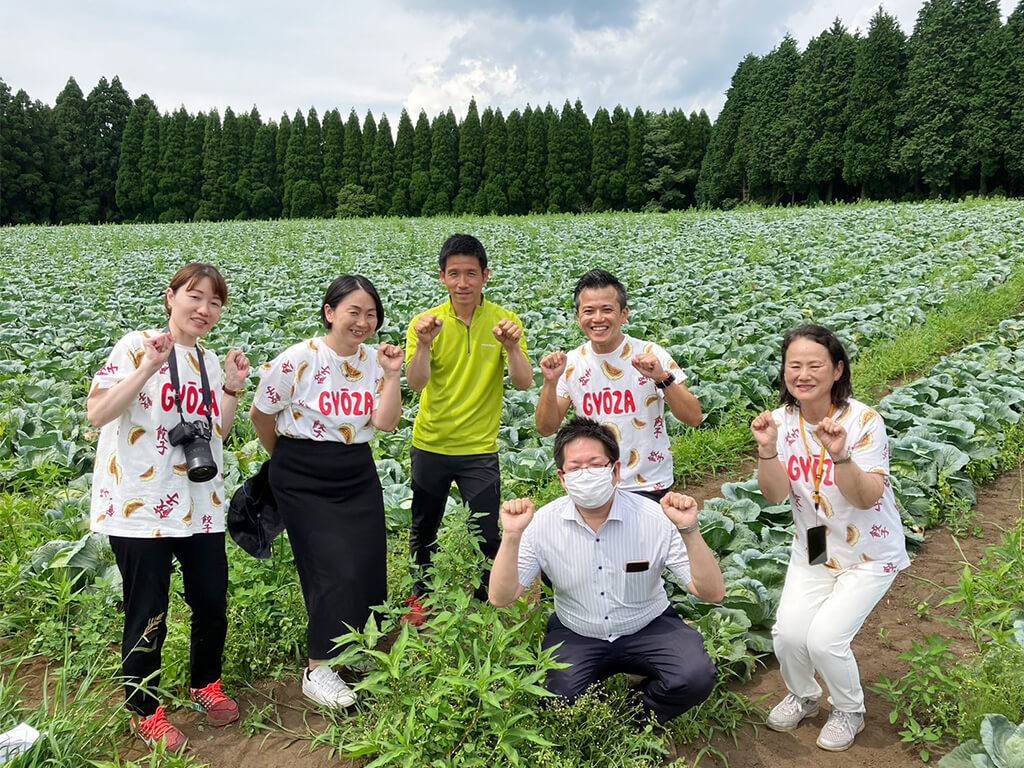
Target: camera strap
<point x="207" y="392"/>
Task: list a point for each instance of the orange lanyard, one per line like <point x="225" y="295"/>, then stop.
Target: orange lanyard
<point x="817" y="471"/>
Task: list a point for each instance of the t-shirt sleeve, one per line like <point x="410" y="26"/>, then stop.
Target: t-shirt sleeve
<point x="124" y="358"/>
<point x="678" y="560"/>
<point x="529" y="563"/>
<point x="870" y="450"/>
<point x="410" y="340"/>
<point x="276" y="380"/>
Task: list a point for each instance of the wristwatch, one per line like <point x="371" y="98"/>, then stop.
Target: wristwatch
<point x="666" y="382"/>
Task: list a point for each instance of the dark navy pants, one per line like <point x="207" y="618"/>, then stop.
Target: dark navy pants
<point x="671" y="655"/>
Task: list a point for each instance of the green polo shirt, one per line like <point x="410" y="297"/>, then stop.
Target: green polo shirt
<point x="460" y="408"/>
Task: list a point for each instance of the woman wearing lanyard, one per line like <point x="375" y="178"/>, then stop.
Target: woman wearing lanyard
<point x="315" y="412"/>
<point x="830" y="454"/>
<point x="158" y="491"/>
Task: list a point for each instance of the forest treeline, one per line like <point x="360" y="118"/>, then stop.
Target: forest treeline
<point x="879" y="116"/>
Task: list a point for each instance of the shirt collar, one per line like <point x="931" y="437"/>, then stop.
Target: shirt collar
<point x="569" y="511"/>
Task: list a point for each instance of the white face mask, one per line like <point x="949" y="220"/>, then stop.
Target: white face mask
<point x="590" y="487"/>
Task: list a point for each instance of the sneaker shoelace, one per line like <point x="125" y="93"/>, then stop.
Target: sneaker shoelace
<point x="335" y="684"/>
<point x="155" y="726"/>
<point x="209" y="696"/>
<point x="840" y="723"/>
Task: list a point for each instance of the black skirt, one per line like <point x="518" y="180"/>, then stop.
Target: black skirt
<point x="330" y="500"/>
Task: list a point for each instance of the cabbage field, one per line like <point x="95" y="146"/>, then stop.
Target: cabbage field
<point x="718" y="290"/>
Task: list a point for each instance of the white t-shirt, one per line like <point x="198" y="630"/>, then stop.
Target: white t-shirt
<point x="140" y="488"/>
<point x="608" y="389"/>
<point x="870" y="539"/>
<point x="320" y="395"/>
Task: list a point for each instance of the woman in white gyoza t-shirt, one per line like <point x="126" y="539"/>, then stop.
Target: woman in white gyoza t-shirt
<point x="145" y="501"/>
<point x="315" y="412"/>
<point x="830" y="454"/>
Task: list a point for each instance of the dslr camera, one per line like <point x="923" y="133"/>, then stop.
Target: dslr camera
<point x="194" y="438"/>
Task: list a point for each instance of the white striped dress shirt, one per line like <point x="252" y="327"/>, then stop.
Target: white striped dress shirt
<point x="607" y="584"/>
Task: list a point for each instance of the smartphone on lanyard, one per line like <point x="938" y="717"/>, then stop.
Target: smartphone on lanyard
<point x="817" y="549"/>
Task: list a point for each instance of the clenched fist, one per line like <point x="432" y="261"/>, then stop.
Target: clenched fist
<point x="427" y="328"/>
<point x="390" y="357"/>
<point x="680" y="509"/>
<point x="516" y="514"/>
<point x="508" y="333"/>
<point x="650" y="366"/>
<point x="553" y="366"/>
<point x="765" y="432"/>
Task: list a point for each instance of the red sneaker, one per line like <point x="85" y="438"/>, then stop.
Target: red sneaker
<point x="417" y="614"/>
<point x="155" y="728"/>
<point x="220" y="709"/>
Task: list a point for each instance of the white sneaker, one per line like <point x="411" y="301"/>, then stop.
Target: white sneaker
<point x="840" y="730"/>
<point x="323" y="686"/>
<point x="787" y="714"/>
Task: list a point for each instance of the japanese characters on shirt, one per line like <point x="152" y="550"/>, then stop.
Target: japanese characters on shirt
<point x="320" y="395"/>
<point x="870" y="539"/>
<point x="140" y="487"/>
<point x="608" y="389"/>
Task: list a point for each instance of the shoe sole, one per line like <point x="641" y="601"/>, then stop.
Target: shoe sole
<point x="842" y="748"/>
<point x="329" y="704"/>
<point x="783" y="729"/>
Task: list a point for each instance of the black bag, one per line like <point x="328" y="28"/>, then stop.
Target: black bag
<point x="252" y="519"/>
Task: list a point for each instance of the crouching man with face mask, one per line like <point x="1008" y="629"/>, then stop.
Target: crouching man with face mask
<point x="604" y="552"/>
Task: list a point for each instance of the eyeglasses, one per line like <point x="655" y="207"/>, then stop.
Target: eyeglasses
<point x="568" y="468"/>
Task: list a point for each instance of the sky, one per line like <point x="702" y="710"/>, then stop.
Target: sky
<point x="384" y="55"/>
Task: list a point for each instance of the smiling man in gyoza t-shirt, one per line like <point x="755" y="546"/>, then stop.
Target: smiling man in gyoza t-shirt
<point x="621" y="382"/>
<point x="456" y="355"/>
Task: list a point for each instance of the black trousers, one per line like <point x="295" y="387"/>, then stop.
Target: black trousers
<point x="145" y="566"/>
<point x="680" y="674"/>
<point x="479" y="482"/>
<point x="653" y="495"/>
<point x="330" y="499"/>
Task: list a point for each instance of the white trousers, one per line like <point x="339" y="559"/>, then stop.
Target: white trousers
<point x="819" y="615"/>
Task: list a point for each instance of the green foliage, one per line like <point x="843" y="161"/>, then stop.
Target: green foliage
<point x="354" y="202"/>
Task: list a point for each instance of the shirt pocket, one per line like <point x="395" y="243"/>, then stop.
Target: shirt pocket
<point x="636" y="586"/>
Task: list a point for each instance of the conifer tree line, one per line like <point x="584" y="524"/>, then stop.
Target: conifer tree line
<point x="877" y="115"/>
<point x="106" y="157"/>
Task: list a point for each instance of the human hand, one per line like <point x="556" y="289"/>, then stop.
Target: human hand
<point x="832" y="435"/>
<point x="390" y="357"/>
<point x="508" y="333"/>
<point x="650" y="366"/>
<point x="427" y="328"/>
<point x="516" y="515"/>
<point x="236" y="370"/>
<point x="158" y="349"/>
<point x="765" y="432"/>
<point x="553" y="366"/>
<point x="680" y="509"/>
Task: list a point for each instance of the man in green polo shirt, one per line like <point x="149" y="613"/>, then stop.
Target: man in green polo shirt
<point x="456" y="355"/>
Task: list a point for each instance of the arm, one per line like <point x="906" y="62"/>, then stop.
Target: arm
<point x="771" y="473"/>
<point x="708" y="583"/>
<point x="421" y="338"/>
<point x="236" y="371"/>
<point x="265" y="425"/>
<point x="105" y="405"/>
<point x="504" y="588"/>
<point x="684" y="404"/>
<point x="551" y="408"/>
<point x="388" y="411"/>
<point x="520" y="369"/>
<point x="860" y="488"/>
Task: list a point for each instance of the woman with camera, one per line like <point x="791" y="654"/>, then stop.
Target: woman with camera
<point x="163" y="407"/>
<point x="315" y="412"/>
<point x="829" y="454"/>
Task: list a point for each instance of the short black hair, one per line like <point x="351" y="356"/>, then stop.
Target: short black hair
<point x="842" y="388"/>
<point x="599" y="278"/>
<point x="462" y="245"/>
<point x="582" y="427"/>
<point x="341" y="288"/>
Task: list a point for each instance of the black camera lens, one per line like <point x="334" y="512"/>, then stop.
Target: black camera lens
<point x="194" y="439"/>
